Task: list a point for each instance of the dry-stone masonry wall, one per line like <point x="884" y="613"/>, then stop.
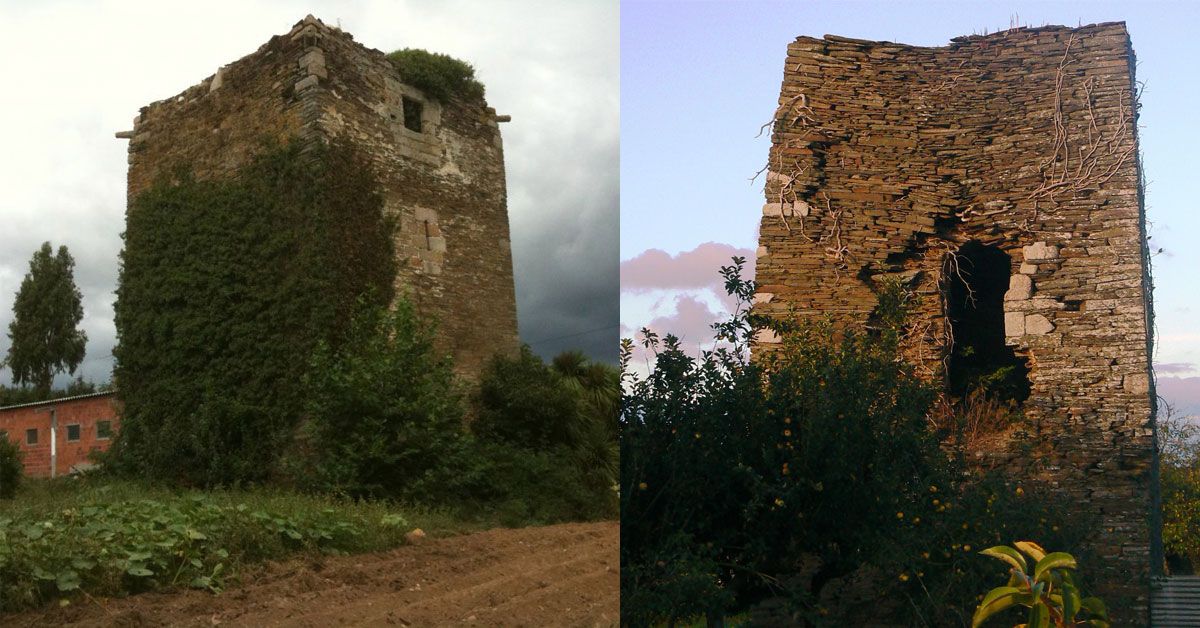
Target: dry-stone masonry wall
<point x="440" y="165"/>
<point x="887" y="159"/>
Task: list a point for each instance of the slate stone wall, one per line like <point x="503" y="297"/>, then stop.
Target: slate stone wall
<point x="887" y="158"/>
<point x="445" y="181"/>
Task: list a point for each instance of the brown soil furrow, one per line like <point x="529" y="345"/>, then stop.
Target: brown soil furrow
<point x="564" y="575"/>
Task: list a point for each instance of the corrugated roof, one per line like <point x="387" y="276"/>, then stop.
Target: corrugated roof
<point x="59" y="400"/>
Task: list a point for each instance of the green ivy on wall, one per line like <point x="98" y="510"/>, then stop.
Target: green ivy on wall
<point x="226" y="286"/>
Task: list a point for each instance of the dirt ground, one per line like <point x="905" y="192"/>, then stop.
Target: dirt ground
<point x="564" y="575"/>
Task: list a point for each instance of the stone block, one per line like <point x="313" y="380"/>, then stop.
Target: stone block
<point x="762" y="297"/>
<point x="767" y="337"/>
<point x="1028" y="269"/>
<point x="1039" y="252"/>
<point x="1137" y="383"/>
<point x="307" y="82"/>
<point x="761" y="252"/>
<point x="437" y="244"/>
<point x="1019" y="287"/>
<point x="1014" y="324"/>
<point x="1038" y="325"/>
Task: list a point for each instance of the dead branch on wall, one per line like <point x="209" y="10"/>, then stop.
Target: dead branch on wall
<point x="1068" y="170"/>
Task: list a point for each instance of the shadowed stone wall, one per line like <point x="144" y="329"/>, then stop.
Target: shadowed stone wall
<point x="444" y="182"/>
<point x="886" y="159"/>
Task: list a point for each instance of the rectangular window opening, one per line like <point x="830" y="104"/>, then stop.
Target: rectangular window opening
<point x="31" y="436"/>
<point x="412" y="113"/>
<point x="73" y="432"/>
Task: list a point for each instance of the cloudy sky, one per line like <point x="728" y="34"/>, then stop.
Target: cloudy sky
<point x="75" y="72"/>
<point x="699" y="79"/>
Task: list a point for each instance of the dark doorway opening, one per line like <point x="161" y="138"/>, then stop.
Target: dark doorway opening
<point x="978" y="277"/>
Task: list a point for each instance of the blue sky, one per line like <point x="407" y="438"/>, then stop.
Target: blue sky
<point x="698" y="79"/>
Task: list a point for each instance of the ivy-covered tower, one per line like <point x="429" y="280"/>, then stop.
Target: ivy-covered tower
<point x="437" y="156"/>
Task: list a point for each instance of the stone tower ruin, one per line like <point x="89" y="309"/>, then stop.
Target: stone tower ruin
<point x="440" y="165"/>
<point x="1000" y="171"/>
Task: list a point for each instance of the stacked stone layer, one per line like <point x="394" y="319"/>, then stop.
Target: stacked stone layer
<point x="887" y="158"/>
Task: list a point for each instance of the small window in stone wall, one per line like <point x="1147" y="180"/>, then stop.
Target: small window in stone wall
<point x="103" y="430"/>
<point x="413" y="109"/>
<point x="31" y="436"/>
<point x="73" y="432"/>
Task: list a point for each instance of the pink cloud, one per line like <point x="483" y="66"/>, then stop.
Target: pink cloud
<point x="691" y="322"/>
<point x="1175" y="367"/>
<point x="1183" y="393"/>
<point x="655" y="269"/>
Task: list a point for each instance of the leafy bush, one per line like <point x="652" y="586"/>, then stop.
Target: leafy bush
<point x="1045" y="586"/>
<point x="440" y="76"/>
<point x="226" y="287"/>
<point x="385" y="415"/>
<point x="122" y="538"/>
<point x="742" y="480"/>
<point x="11" y="468"/>
<point x="545" y="436"/>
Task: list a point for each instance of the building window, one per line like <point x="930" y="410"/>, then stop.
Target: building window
<point x="103" y="430"/>
<point x="72" y="433"/>
<point x="412" y="113"/>
<point x="31" y="436"/>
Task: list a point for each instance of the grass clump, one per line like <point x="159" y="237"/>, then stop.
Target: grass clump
<point x="440" y="76"/>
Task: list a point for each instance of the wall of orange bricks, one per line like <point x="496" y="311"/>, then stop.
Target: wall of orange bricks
<point x="85" y="413"/>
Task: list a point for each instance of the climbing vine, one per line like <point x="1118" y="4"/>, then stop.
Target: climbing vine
<point x="226" y="286"/>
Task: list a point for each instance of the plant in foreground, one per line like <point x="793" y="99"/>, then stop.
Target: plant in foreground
<point x="1048" y="590"/>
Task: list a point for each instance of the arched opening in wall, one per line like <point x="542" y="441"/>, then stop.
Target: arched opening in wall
<point x="981" y="369"/>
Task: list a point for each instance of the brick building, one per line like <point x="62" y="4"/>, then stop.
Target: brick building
<point x="440" y="163"/>
<point x="998" y="179"/>
<point x="57" y="436"/>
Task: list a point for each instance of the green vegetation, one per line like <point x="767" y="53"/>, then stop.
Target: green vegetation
<point x="546" y="447"/>
<point x="440" y="76"/>
<point x="46" y="314"/>
<point x="1045" y="586"/>
<point x="386" y="418"/>
<point x="1179" y="483"/>
<point x="775" y="478"/>
<point x="387" y="421"/>
<point x="106" y="537"/>
<point x="226" y="288"/>
<point x="11" y="469"/>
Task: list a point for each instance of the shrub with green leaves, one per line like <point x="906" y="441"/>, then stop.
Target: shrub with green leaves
<point x="545" y="436"/>
<point x="440" y="76"/>
<point x="785" y="474"/>
<point x="384" y="413"/>
<point x="1045" y="586"/>
<point x="11" y="468"/>
<point x="226" y="287"/>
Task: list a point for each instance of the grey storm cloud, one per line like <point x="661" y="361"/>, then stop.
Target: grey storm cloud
<point x="86" y="67"/>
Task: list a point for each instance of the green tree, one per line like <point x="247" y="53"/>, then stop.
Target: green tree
<point x="48" y="309"/>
